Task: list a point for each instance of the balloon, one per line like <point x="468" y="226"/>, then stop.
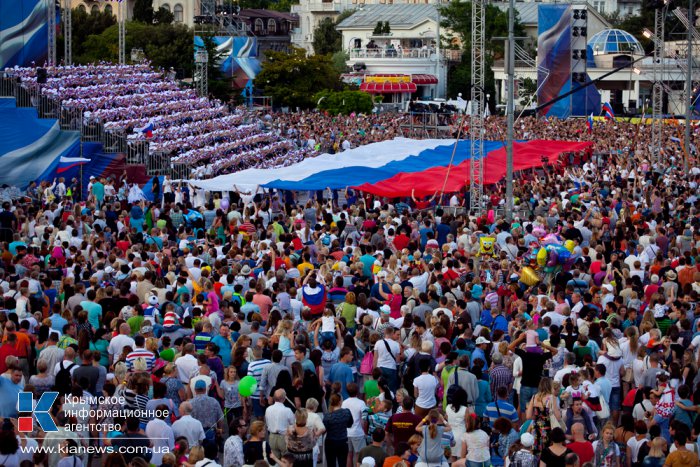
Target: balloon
<point x="570" y="245"/>
<point x="569" y="263"/>
<point x="563" y="254"/>
<point x="225" y="204"/>
<point x="247" y="386"/>
<point x="542" y="257"/>
<point x="551" y="239"/>
<point x="538" y="232"/>
<point x="553" y="258"/>
<point x="529" y="276"/>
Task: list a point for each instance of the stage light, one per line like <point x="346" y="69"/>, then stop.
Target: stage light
<point x="647" y="33"/>
<point x="577" y="14"/>
<point x="575" y="33"/>
<point x="583" y="31"/>
<point x="636" y="71"/>
<point x="583" y="14"/>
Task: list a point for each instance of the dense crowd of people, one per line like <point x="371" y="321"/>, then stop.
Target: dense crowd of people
<point x="376" y="332"/>
<point x="264" y="328"/>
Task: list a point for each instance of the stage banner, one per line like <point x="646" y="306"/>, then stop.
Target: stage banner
<point x="23" y="33"/>
<point x="554" y="58"/>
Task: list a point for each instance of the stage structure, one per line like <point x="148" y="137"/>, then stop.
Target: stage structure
<point x="67" y="33"/>
<point x="478" y="110"/>
<point x="236" y="46"/>
<point x="562" y="61"/>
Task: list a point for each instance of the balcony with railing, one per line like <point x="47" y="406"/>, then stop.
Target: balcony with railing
<point x="398" y="53"/>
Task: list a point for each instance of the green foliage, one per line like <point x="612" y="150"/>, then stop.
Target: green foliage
<point x="386" y="29"/>
<point x="293" y="78"/>
<point x="340" y="59"/>
<point x="143" y="11"/>
<point x="163" y="16"/>
<point x="327" y="39"/>
<point x="344" y="102"/>
<point x="457" y="20"/>
<point x="528" y="89"/>
<point x="378" y="29"/>
<point x="165" y="45"/>
<point x="84" y="25"/>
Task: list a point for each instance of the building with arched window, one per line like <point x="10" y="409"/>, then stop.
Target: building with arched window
<point x="97" y="6"/>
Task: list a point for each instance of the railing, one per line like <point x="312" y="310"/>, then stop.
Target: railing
<point x="180" y="171"/>
<point x="398" y="53"/>
<point x="93" y="131"/>
<point x="71" y="119"/>
<point x="114" y="142"/>
<point x="324" y="6"/>
<point x="7" y="86"/>
<point x="136" y="152"/>
<point x="158" y="163"/>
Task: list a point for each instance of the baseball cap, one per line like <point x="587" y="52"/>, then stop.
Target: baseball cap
<point x="527" y="440"/>
<point x="481" y="340"/>
<point x="386" y="309"/>
<point x="200" y="384"/>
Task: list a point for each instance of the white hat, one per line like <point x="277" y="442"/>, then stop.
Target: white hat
<point x="608" y="287"/>
<point x="385" y="309"/>
<point x="482" y="340"/>
<point x="109" y="270"/>
<point x="527" y="440"/>
<point x="369" y="461"/>
<point x="381" y="274"/>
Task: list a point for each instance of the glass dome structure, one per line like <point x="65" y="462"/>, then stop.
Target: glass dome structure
<point x="613" y="41"/>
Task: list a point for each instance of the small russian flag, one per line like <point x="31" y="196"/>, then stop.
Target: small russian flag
<point x="608" y="111"/>
<point x="148" y="130"/>
<point x="589" y="123"/>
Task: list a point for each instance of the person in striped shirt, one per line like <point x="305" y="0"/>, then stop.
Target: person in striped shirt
<point x="255" y="369"/>
<point x="140" y="352"/>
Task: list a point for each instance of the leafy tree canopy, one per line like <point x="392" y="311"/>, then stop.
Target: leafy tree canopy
<point x="457" y="20"/>
<point x="327" y="38"/>
<point x="344" y="102"/>
<point x="291" y="79"/>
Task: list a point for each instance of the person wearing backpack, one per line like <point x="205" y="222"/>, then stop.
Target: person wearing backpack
<point x="465" y="379"/>
<point x="64" y="372"/>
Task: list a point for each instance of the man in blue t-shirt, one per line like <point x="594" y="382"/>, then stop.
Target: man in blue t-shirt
<point x="341" y="371"/>
<point x="9" y="391"/>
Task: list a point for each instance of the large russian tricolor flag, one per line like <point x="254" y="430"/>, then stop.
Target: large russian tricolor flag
<point x="396" y="167"/>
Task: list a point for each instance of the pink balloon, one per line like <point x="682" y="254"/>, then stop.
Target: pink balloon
<point x="224" y="204"/>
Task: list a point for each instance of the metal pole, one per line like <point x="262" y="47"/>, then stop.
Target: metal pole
<point x="123" y="11"/>
<point x="51" y="24"/>
<point x="510" y="110"/>
<point x="689" y="84"/>
<point x="67" y="34"/>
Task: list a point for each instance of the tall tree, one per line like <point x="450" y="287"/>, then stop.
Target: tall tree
<point x="457" y="20"/>
<point x="143" y="11"/>
<point x="163" y="16"/>
<point x="327" y="39"/>
<point x="292" y="78"/>
<point x="84" y="25"/>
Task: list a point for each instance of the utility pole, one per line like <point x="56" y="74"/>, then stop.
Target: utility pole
<point x="689" y="84"/>
<point x="510" y="110"/>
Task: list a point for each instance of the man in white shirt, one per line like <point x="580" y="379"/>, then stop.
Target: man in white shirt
<point x="356" y="433"/>
<point x="387" y="352"/>
<point x="161" y="435"/>
<point x="117" y="344"/>
<point x="187" y="365"/>
<point x="68" y="362"/>
<point x="188" y="426"/>
<point x="278" y="417"/>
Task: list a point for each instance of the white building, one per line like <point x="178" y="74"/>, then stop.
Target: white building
<point x="406" y="61"/>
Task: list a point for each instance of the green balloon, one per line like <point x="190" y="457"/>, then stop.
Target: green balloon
<point x="247" y="386"/>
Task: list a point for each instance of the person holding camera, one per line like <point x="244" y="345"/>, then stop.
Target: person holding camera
<point x="431" y="452"/>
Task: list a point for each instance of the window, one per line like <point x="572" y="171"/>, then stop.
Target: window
<point x="178" y="13"/>
<point x="166" y="6"/>
<point x="95" y="9"/>
<point x="600" y="6"/>
<point x="259" y="26"/>
<point x="271" y="26"/>
<point x="82" y="8"/>
<point x="108" y="9"/>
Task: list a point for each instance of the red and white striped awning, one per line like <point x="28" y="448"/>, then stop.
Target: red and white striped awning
<point x="424" y="79"/>
<point x="388" y="87"/>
